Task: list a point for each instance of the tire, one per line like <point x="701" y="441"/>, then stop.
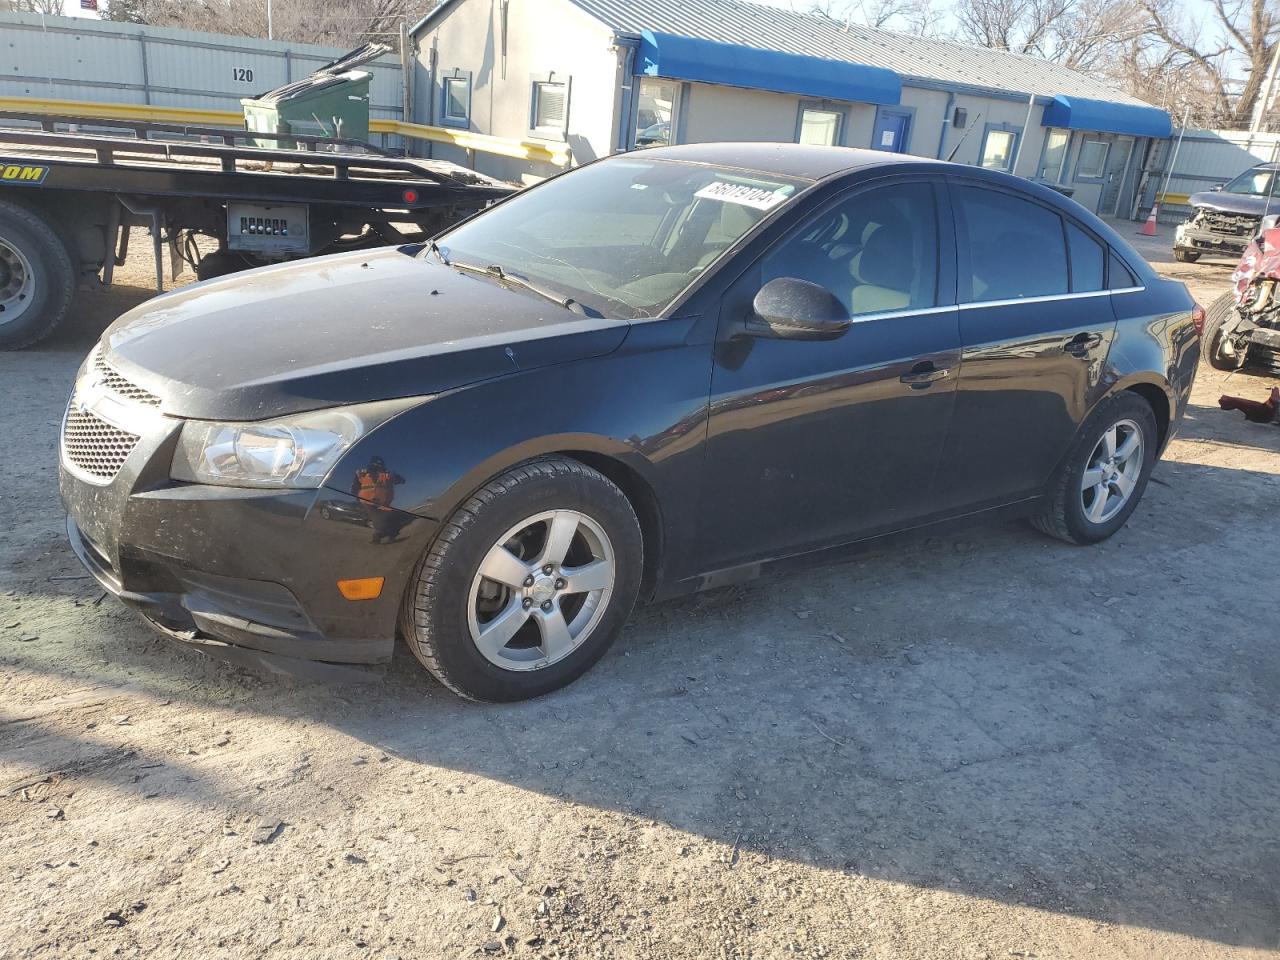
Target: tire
<point x="37" y="277"/>
<point x="440" y="616"/>
<point x="1064" y="513"/>
<point x="1219" y="312"/>
<point x="1183" y="255"/>
<point x="219" y="263"/>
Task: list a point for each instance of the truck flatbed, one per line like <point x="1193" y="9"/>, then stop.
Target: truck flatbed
<point x="68" y="199"/>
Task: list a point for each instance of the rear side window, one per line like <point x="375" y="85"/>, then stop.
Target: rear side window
<point x="1087" y="259"/>
<point x="1015" y="247"/>
<point x="1121" y="275"/>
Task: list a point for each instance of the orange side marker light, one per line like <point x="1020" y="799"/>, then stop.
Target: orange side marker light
<point x="365" y="588"/>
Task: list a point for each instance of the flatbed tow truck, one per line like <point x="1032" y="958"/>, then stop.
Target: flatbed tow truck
<point x="68" y="200"/>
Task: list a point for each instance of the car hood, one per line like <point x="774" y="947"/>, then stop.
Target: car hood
<point x="1232" y="202"/>
<point x="354" y="327"/>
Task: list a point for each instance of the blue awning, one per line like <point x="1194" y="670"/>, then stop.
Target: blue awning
<point x="1077" y="113"/>
<point x="707" y="61"/>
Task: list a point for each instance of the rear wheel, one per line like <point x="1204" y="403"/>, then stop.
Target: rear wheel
<point x="37" y="278"/>
<point x="1219" y="313"/>
<point x="1183" y="255"/>
<point x="1105" y="473"/>
<point x="527" y="584"/>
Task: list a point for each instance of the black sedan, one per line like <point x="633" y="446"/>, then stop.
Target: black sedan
<point x="659" y="373"/>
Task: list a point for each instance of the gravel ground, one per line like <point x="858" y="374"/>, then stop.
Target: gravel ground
<point x="987" y="745"/>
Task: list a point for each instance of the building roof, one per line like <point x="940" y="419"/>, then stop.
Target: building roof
<point x="912" y="58"/>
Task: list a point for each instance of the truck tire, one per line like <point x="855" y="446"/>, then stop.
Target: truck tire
<point x="1219" y="312"/>
<point x="37" y="277"/>
<point x="1183" y="255"/>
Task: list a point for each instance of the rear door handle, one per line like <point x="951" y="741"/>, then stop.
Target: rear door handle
<point x="1082" y="343"/>
<point x="923" y="374"/>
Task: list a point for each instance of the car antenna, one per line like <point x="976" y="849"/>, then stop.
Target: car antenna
<point x="956" y="148"/>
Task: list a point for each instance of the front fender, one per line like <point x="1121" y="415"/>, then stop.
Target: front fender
<point x="644" y="409"/>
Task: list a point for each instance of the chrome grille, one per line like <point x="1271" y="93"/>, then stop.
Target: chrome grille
<point x="118" y="385"/>
<point x="93" y="446"/>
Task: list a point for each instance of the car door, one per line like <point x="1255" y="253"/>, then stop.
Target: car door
<point x="1036" y="324"/>
<point x="817" y="442"/>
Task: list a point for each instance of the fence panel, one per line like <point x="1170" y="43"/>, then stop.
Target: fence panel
<point x="1206" y="157"/>
<point x="80" y="59"/>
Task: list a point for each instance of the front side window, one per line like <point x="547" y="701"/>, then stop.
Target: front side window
<point x="1015" y="248"/>
<point x="876" y="252"/>
<point x="655" y="117"/>
<point x="997" y="149"/>
<point x="457" y="99"/>
<point x="1093" y="160"/>
<point x="819" y="127"/>
<point x="1256" y="182"/>
<point x="1055" y="155"/>
<point x="622" y="237"/>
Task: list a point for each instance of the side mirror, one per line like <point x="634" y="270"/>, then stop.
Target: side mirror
<point x="792" y="309"/>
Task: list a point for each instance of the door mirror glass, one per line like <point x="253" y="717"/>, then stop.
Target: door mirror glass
<point x="792" y="309"/>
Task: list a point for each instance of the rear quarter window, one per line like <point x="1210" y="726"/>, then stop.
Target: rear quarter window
<point x="1120" y="274"/>
<point x="1088" y="260"/>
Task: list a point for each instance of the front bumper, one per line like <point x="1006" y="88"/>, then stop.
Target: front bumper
<point x="1188" y="236"/>
<point x="249" y="575"/>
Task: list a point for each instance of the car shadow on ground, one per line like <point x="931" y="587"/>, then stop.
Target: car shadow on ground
<point x="1084" y="740"/>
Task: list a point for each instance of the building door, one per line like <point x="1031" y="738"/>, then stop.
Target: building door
<point x="893" y="130"/>
<point x="1093" y="159"/>
<point x="1113" y="181"/>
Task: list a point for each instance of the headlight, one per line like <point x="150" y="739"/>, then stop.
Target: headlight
<point x="296" y="451"/>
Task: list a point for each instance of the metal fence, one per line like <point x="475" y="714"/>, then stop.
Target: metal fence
<point x="81" y="59"/>
<point x="1206" y="157"/>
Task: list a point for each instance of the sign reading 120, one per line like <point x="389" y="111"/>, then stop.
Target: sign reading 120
<point x="243" y="74"/>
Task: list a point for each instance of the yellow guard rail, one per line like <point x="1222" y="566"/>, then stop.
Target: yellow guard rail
<point x="539" y="151"/>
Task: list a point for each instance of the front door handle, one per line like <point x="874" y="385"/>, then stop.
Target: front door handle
<point x="1082" y="343"/>
<point x="923" y="374"/>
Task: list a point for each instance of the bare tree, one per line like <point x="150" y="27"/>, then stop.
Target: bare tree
<point x="916" y="17"/>
<point x="51" y="8"/>
<point x="1246" y="33"/>
<point x="334" y="22"/>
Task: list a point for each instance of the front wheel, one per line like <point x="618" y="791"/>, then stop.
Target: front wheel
<point x="527" y="584"/>
<point x="1105" y="473"/>
<point x="1215" y="318"/>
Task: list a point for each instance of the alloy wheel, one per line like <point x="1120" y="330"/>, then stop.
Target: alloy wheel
<point x="541" y="590"/>
<point x="1112" y="471"/>
<point x="17" y="282"/>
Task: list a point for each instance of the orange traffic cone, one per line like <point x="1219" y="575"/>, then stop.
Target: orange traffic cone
<point x="1149" y="228"/>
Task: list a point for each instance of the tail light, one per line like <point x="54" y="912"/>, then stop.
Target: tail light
<point x="1197" y="319"/>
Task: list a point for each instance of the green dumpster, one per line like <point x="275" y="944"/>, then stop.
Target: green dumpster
<point x="333" y="102"/>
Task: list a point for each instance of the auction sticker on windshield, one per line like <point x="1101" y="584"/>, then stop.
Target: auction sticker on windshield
<point x="761" y="198"/>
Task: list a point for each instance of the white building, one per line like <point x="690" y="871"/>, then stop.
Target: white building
<point x="609" y="75"/>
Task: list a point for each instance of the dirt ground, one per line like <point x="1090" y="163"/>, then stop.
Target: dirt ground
<point x="988" y="745"/>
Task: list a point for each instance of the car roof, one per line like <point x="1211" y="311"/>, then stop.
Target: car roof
<point x="783" y="159"/>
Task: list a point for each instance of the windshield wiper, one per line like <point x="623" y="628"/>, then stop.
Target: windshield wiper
<point x="515" y="280"/>
<point x="433" y="247"/>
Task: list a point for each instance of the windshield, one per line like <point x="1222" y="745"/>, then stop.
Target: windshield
<point x="1256" y="182"/>
<point x="622" y="237"/>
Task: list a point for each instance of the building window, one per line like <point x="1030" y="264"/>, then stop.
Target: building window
<point x="657" y="111"/>
<point x="1092" y="162"/>
<point x="549" y="106"/>
<point x="998" y="145"/>
<point x="456" y="108"/>
<point x="1055" y="155"/>
<point x="819" y="127"/>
